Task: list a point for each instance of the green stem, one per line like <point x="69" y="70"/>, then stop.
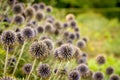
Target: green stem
<point x="19" y="58"/>
<point x="6" y="60"/>
<point x="31" y="69"/>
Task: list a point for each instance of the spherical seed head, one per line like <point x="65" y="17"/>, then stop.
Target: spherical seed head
<point x="82" y="60"/>
<point x="70" y="41"/>
<point x="82" y="68"/>
<point x="42" y="5"/>
<point x="48" y="27"/>
<point x="114" y="77"/>
<point x="73" y="23"/>
<point x="18" y="19"/>
<point x="81" y="44"/>
<point x="57" y="32"/>
<point x="18" y="8"/>
<point x="77" y="35"/>
<point x="7" y="78"/>
<point x="66" y="34"/>
<point x="57" y="25"/>
<point x="27" y="68"/>
<point x="29" y="12"/>
<point x="28" y="33"/>
<point x="8" y="38"/>
<point x="65" y="25"/>
<point x="72" y="36"/>
<point x="35" y="6"/>
<point x="70" y="17"/>
<point x="11" y="61"/>
<point x="98" y="76"/>
<point x="66" y="51"/>
<point x="48" y="9"/>
<point x="40" y="29"/>
<point x="43" y="70"/>
<point x="101" y="59"/>
<point x="49" y="43"/>
<point x="109" y="70"/>
<point x="86" y="39"/>
<point x="76" y="29"/>
<point x="74" y="75"/>
<point x="39" y="15"/>
<point x="39" y="49"/>
<point x="20" y="38"/>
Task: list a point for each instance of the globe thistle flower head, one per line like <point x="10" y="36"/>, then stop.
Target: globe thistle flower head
<point x="48" y="27"/>
<point x="18" y="8"/>
<point x="59" y="43"/>
<point x="8" y="38"/>
<point x="57" y="25"/>
<point x="40" y="29"/>
<point x="65" y="25"/>
<point x="39" y="50"/>
<point x="39" y="15"/>
<point x="11" y="2"/>
<point x="18" y="19"/>
<point x="98" y="76"/>
<point x="11" y="61"/>
<point x="72" y="36"/>
<point x="76" y="29"/>
<point x="66" y="34"/>
<point x="74" y="75"/>
<point x="101" y="59"/>
<point x="86" y="39"/>
<point x="57" y="32"/>
<point x="109" y="70"/>
<point x="114" y="77"/>
<point x="69" y="41"/>
<point x="82" y="68"/>
<point x="27" y="68"/>
<point x="44" y="71"/>
<point x="81" y="44"/>
<point x="49" y="43"/>
<point x="77" y="35"/>
<point x="70" y="17"/>
<point x="28" y="33"/>
<point x="66" y="51"/>
<point x="7" y="78"/>
<point x="35" y="6"/>
<point x="82" y="60"/>
<point x="77" y="54"/>
<point x="48" y="9"/>
<point x="20" y="38"/>
<point x="73" y="23"/>
<point x="29" y="12"/>
<point x="42" y="6"/>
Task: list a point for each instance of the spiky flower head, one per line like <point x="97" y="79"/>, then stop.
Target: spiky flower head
<point x="20" y="38"/>
<point x="39" y="49"/>
<point x="30" y="12"/>
<point x="39" y="15"/>
<point x="48" y="9"/>
<point x="49" y="43"/>
<point x="109" y="70"/>
<point x="98" y="76"/>
<point x="70" y="17"/>
<point x="48" y="27"/>
<point x="28" y="33"/>
<point x="18" y="19"/>
<point x="18" y="8"/>
<point x="74" y="75"/>
<point x="41" y="5"/>
<point x="8" y="38"/>
<point x="35" y="6"/>
<point x="43" y="70"/>
<point x="101" y="59"/>
<point x="81" y="44"/>
<point x="57" y="25"/>
<point x="82" y="68"/>
<point x="27" y="68"/>
<point x="114" y="77"/>
<point x="40" y="29"/>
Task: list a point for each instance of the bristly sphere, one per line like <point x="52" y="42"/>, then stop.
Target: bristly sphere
<point x="82" y="68"/>
<point x="20" y="38"/>
<point x="39" y="49"/>
<point x="19" y="19"/>
<point x="109" y="70"/>
<point x="8" y="38"/>
<point x="39" y="15"/>
<point x="98" y="76"/>
<point x="28" y="33"/>
<point x="41" y="6"/>
<point x="29" y="12"/>
<point x="101" y="59"/>
<point x="40" y="29"/>
<point x="43" y="70"/>
<point x="18" y="8"/>
<point x="74" y="75"/>
<point x="35" y="6"/>
<point x="48" y="9"/>
<point x="49" y="43"/>
<point x="114" y="77"/>
<point x="27" y="68"/>
<point x="81" y="44"/>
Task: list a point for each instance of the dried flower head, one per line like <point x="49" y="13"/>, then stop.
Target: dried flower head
<point x="18" y="8"/>
<point x="39" y="49"/>
<point x="43" y="70"/>
<point x="74" y="75"/>
<point x="27" y="68"/>
<point x="39" y="15"/>
<point x="8" y="38"/>
<point x="101" y="59"/>
<point x="114" y="77"/>
<point x="98" y="76"/>
<point x="28" y="33"/>
<point x="82" y="68"/>
<point x="18" y="19"/>
<point x="49" y="43"/>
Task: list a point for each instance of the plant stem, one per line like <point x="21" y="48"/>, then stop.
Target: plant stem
<point x="6" y="60"/>
<point x="32" y="69"/>
<point x="19" y="58"/>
